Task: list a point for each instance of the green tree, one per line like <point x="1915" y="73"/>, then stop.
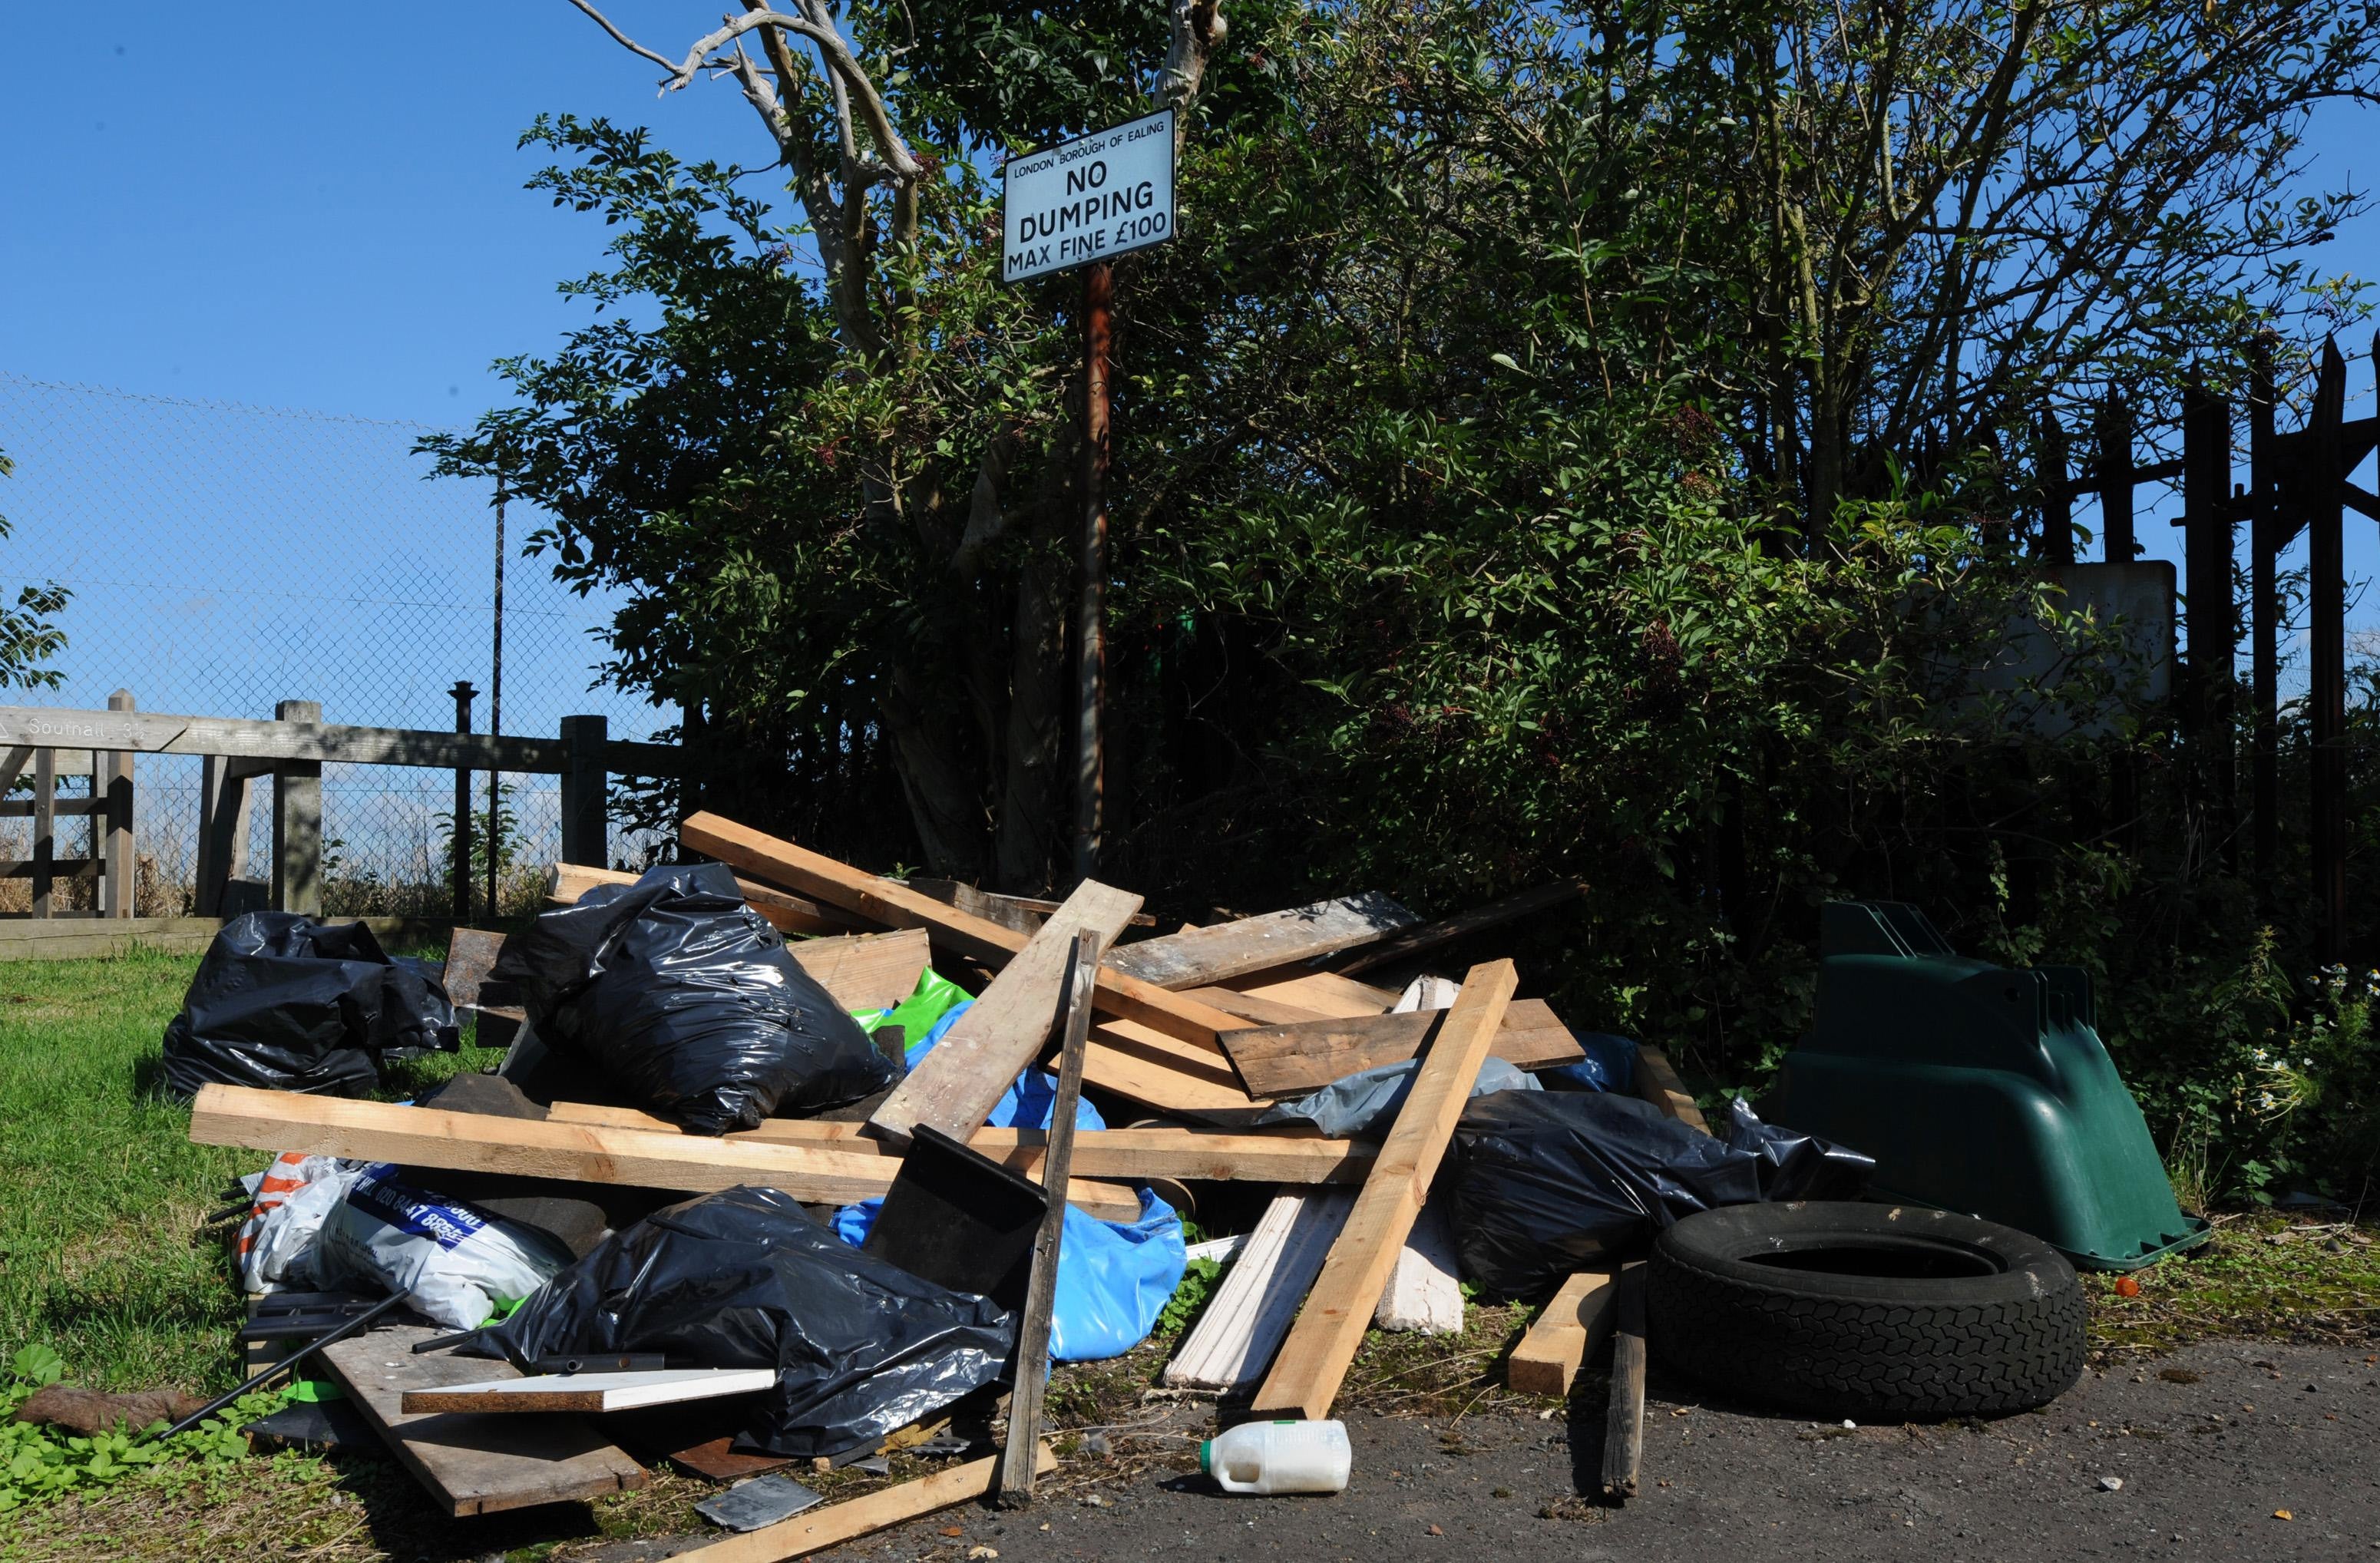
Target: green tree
<point x="28" y="639"/>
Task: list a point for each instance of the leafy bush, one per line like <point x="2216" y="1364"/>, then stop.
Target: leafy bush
<point x="40" y="1461"/>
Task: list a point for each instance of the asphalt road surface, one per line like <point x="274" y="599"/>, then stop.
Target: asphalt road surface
<point x="2230" y="1450"/>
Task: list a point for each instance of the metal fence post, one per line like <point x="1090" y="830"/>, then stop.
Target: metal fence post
<point x="585" y="832"/>
<point x="119" y="879"/>
<point x="298" y="822"/>
<point x="459" y="872"/>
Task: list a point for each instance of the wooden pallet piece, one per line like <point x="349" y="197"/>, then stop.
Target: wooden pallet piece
<point x="567" y="882"/>
<point x="1424" y="1293"/>
<point x="1195" y="957"/>
<point x="954" y="1087"/>
<point x="586" y="1393"/>
<point x="1286" y="1154"/>
<point x="1288" y="1061"/>
<point x="472" y="1464"/>
<point x="1409" y="942"/>
<point x="1244" y="1323"/>
<point x="586" y="1153"/>
<point x="1313" y="1362"/>
<point x="1565" y="1335"/>
<point x="1032" y="1363"/>
<point x="896" y="905"/>
<point x="1659" y="1084"/>
<point x="837" y="1524"/>
<point x="1624" y="1428"/>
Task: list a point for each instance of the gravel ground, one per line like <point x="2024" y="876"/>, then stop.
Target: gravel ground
<point x="2230" y="1451"/>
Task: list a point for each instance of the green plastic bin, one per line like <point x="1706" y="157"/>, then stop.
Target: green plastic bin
<point x="1977" y="1088"/>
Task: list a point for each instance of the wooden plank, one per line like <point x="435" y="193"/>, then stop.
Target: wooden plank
<point x="1269" y="1156"/>
<point x="1659" y="1085"/>
<point x="864" y="971"/>
<point x="1031" y="1360"/>
<point x="1248" y="1007"/>
<point x="1424" y="1293"/>
<point x="1284" y="1060"/>
<point x="1624" y="1428"/>
<point x="306" y="738"/>
<point x="587" y="1393"/>
<point x="1313" y="1362"/>
<point x="567" y="882"/>
<point x="956" y="1085"/>
<point x="1024" y="912"/>
<point x="472" y="1464"/>
<point x="469" y="1142"/>
<point x="844" y="1521"/>
<point x="1409" y="942"/>
<point x="1325" y="993"/>
<point x="1125" y="998"/>
<point x="1234" y="1342"/>
<point x="1198" y="956"/>
<point x="1565" y="1335"/>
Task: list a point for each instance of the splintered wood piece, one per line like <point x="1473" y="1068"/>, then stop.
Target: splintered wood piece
<point x="1219" y="951"/>
<point x="823" y="1173"/>
<point x="1565" y="1335"/>
<point x="1313" y="1363"/>
<point x="896" y="905"/>
<point x="957" y="1085"/>
<point x="1659" y="1084"/>
<point x="1424" y="1291"/>
<point x="1032" y="1359"/>
<point x="1286" y="1060"/>
<point x="589" y="1392"/>
<point x="1429" y="936"/>
<point x="1234" y="1342"/>
<point x="1624" y="1429"/>
<point x="471" y="1464"/>
<point x="840" y="1523"/>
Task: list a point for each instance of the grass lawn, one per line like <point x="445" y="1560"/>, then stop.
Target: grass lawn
<point x="105" y="1259"/>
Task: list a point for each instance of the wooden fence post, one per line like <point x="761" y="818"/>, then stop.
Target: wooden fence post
<point x="2213" y="628"/>
<point x="2057" y="495"/>
<point x="118" y="885"/>
<point x="45" y="852"/>
<point x="459" y="868"/>
<point x="2114" y="476"/>
<point x="298" y="822"/>
<point x="226" y="785"/>
<point x="2264" y="617"/>
<point x="585" y="832"/>
<point x="2326" y="606"/>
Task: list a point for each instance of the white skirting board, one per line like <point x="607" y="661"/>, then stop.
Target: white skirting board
<point x="1425" y="1289"/>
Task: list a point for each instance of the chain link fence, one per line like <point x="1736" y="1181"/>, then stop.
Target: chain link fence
<point x="223" y="558"/>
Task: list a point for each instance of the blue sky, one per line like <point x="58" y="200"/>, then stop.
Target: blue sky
<point x="241" y="203"/>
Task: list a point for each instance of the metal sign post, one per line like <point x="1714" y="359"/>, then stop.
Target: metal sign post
<point x="1082" y="203"/>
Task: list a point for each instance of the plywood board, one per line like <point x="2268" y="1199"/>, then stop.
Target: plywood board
<point x="1288" y="1061"/>
<point x="1313" y="1362"/>
<point x="954" y="1087"/>
<point x="1198" y="956"/>
<point x="472" y="1464"/>
<point x="586" y="1393"/>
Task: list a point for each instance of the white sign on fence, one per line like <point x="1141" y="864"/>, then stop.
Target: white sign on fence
<point x="1088" y="199"/>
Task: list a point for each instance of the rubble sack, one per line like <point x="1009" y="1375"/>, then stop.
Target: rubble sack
<point x="745" y="1278"/>
<point x="686" y="997"/>
<point x="287" y="1003"/>
<point x="1548" y="1182"/>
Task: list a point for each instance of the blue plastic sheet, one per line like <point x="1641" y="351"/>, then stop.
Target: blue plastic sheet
<point x="1114" y="1278"/>
<point x="1610" y="1065"/>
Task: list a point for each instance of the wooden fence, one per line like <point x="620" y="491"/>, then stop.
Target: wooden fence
<point x="291" y="750"/>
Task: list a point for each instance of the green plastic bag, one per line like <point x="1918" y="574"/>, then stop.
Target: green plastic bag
<point x="934" y="997"/>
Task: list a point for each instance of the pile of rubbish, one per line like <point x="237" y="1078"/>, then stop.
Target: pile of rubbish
<point x="789" y="1162"/>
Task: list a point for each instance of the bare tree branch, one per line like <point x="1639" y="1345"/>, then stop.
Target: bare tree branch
<point x="839" y="61"/>
<point x="622" y="39"/>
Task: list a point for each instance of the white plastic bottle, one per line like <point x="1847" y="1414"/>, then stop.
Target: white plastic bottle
<point x="1279" y="1456"/>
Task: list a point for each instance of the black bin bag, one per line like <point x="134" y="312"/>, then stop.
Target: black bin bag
<point x="286" y="1003"/>
<point x="1549" y="1182"/>
<point x="686" y="997"/>
<point x="745" y="1278"/>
